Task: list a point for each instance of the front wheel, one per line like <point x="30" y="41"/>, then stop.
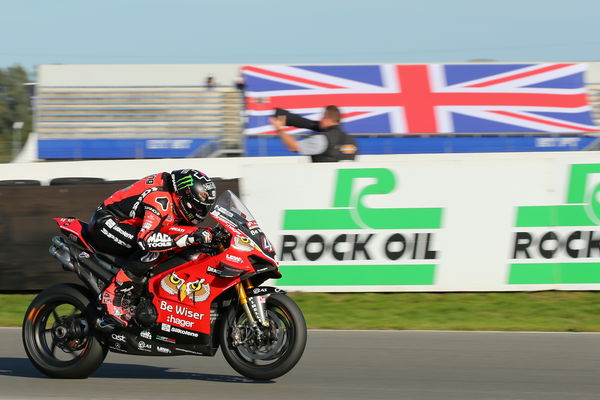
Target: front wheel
<point x="58" y="333"/>
<point x="264" y="352"/>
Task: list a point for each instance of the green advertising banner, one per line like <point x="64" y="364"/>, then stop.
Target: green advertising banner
<point x="560" y="243"/>
<point x="493" y="222"/>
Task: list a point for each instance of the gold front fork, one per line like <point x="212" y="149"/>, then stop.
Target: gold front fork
<point x="241" y="290"/>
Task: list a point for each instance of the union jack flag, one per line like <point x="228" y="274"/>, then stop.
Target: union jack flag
<point x="433" y="98"/>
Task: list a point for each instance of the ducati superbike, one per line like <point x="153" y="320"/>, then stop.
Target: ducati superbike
<point x="195" y="301"/>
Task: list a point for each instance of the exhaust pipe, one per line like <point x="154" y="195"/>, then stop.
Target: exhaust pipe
<point x="60" y="251"/>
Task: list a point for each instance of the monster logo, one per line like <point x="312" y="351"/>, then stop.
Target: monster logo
<point x="178" y="285"/>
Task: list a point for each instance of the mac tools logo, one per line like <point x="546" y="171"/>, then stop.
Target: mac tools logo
<point x="354" y="244"/>
<point x="560" y="243"/>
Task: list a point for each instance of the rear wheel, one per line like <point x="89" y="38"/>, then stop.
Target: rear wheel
<point x="58" y="333"/>
<point x="265" y="352"/>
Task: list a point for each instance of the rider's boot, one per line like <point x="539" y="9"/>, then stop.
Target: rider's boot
<point x="120" y="299"/>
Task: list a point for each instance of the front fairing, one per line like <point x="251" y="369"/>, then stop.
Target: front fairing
<point x="184" y="292"/>
<point x="247" y="235"/>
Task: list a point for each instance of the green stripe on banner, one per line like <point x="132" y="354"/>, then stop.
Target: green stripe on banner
<point x="552" y="273"/>
<point x="539" y="216"/>
<point x="356" y="275"/>
<point x="383" y="218"/>
<point x="319" y="219"/>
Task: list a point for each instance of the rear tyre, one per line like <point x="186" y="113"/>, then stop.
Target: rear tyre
<point x="58" y="333"/>
<point x="280" y="346"/>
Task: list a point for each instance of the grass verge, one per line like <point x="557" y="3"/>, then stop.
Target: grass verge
<point x="533" y="311"/>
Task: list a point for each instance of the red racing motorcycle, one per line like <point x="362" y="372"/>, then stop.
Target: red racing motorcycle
<point x="193" y="304"/>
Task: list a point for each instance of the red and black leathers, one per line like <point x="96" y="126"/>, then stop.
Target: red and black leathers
<point x="142" y="217"/>
<point x="138" y="222"/>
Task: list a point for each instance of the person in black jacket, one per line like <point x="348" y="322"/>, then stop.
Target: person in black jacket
<point x="330" y="144"/>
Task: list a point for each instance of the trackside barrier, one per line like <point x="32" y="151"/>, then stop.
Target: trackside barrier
<point x="26" y="227"/>
<point x="443" y="222"/>
<point x="474" y="222"/>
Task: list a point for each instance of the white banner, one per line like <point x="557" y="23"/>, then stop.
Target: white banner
<point x="486" y="222"/>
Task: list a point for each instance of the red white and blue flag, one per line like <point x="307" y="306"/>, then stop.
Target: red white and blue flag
<point x="433" y="98"/>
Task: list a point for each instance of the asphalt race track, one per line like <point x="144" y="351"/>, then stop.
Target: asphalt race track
<point x="342" y="365"/>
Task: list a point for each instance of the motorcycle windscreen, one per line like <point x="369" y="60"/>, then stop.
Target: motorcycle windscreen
<point x="231" y="209"/>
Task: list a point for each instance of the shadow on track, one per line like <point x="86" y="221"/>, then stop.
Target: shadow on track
<point x="22" y="367"/>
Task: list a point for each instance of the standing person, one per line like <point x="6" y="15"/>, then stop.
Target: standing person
<point x="329" y="144"/>
<point x="210" y="82"/>
<point x="153" y="215"/>
<point x="239" y="83"/>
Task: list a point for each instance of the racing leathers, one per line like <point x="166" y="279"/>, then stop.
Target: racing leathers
<point x="139" y="222"/>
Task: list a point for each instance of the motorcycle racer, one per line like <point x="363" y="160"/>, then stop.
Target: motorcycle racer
<point x="153" y="215"/>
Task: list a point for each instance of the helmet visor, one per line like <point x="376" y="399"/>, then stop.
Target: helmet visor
<point x="193" y="213"/>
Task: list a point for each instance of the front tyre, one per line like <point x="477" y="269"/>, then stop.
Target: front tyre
<point x="58" y="333"/>
<point x="265" y="352"/>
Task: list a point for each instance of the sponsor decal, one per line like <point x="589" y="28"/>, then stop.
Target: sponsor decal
<point x="232" y="258"/>
<point x="146" y="226"/>
<point x="349" y="235"/>
<point x="152" y="210"/>
<point x="184" y="288"/>
<point x="165" y="339"/>
<point x="144" y="346"/>
<point x="114" y="238"/>
<point x="188" y="351"/>
<point x="206" y="236"/>
<point x="184" y="332"/>
<point x="181" y="322"/>
<point x="84" y="255"/>
<point x="154" y="144"/>
<point x="161" y="349"/>
<point x="184" y="182"/>
<point x="223" y="211"/>
<point x="165" y="327"/>
<point x="224" y="215"/>
<point x="117" y="347"/>
<point x="158" y="239"/>
<point x="209" y="186"/>
<point x="213" y="271"/>
<point x="182" y="311"/>
<point x="252" y="225"/>
<point x="146" y="335"/>
<point x="560" y="243"/>
<point x="113" y="225"/>
<point x="262" y="290"/>
<point x="118" y="338"/>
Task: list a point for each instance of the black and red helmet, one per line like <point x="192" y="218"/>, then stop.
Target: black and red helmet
<point x="195" y="194"/>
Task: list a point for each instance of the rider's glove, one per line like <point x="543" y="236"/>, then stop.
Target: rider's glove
<point x="201" y="236"/>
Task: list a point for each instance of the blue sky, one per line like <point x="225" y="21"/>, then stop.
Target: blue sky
<point x="309" y="31"/>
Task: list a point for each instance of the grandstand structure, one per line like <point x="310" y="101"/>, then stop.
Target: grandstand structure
<point x="136" y="111"/>
<point x="146" y="111"/>
<point x="153" y="112"/>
